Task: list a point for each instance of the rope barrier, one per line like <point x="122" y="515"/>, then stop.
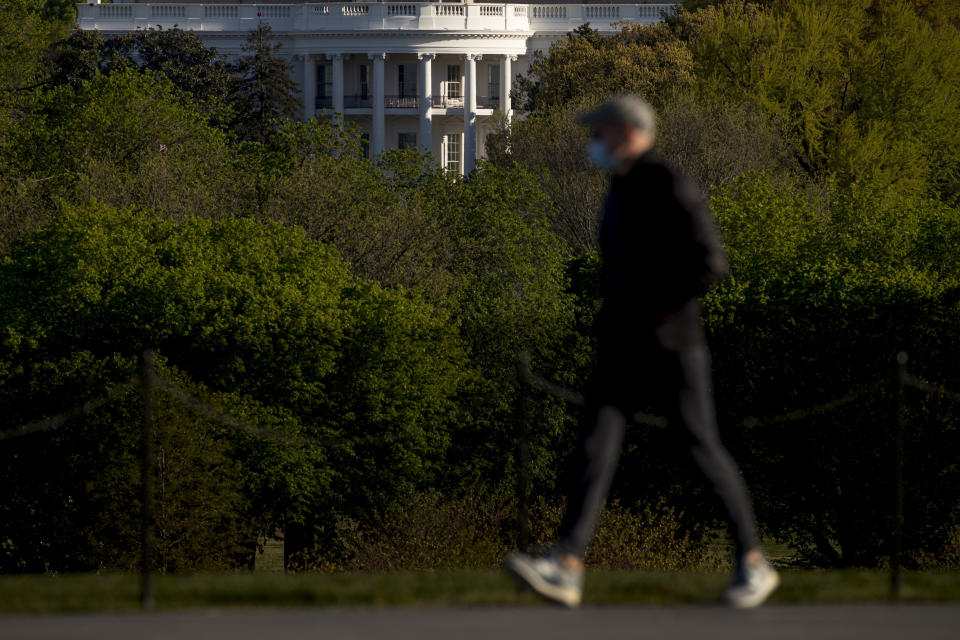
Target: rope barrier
<point x="178" y="393"/>
<point x="913" y="381"/>
<point x="147" y="379"/>
<point x="55" y="422"/>
<point x="531" y="379"/>
<point x="751" y="422"/>
<point x="525" y="374"/>
<point x="229" y="420"/>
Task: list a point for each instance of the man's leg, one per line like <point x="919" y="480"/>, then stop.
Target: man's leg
<point x="595" y="463"/>
<point x="754" y="579"/>
<point x="693" y="409"/>
<point x="558" y="573"/>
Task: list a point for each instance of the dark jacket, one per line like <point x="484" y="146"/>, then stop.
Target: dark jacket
<point x="660" y="252"/>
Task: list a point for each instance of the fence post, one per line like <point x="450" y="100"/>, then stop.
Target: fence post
<point x="148" y="438"/>
<point x="899" y="376"/>
<point x="523" y="454"/>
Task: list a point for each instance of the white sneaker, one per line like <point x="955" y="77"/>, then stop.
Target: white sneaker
<point x="547" y="575"/>
<point x="752" y="584"/>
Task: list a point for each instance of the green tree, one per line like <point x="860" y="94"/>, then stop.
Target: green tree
<point x="264" y="92"/>
<point x="27" y="28"/>
<point x="198" y="73"/>
<point x="866" y="89"/>
<point x="550" y="145"/>
<point x="114" y="127"/>
<point x="259" y="321"/>
<point x="818" y="302"/>
<point x="586" y="67"/>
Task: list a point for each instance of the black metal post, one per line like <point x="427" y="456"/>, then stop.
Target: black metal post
<point x="523" y="454"/>
<point x="899" y="376"/>
<point x="148" y="439"/>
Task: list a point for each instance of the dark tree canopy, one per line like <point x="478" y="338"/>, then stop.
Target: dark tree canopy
<point x="287" y="278"/>
<point x="199" y="73"/>
<point x="264" y="92"/>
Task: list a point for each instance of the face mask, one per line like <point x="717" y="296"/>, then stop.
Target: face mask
<point x="600" y="157"/>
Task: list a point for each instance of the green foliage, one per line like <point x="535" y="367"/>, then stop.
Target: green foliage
<point x="549" y="144"/>
<point x="434" y="531"/>
<point x="120" y="119"/>
<point x="865" y="88"/>
<point x="196" y="72"/>
<point x="819" y="300"/>
<point x="272" y="324"/>
<point x="428" y="531"/>
<point x="289" y="280"/>
<point x="264" y="92"/>
<point x="27" y="28"/>
<point x="585" y="67"/>
<point x="647" y="537"/>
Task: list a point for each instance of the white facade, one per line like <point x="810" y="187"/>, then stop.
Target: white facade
<point x="408" y="73"/>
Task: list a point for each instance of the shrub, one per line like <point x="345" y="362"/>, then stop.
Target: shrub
<point x="266" y="323"/>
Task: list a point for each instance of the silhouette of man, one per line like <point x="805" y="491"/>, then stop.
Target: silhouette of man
<point x="660" y="252"/>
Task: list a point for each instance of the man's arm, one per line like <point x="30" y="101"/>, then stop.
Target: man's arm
<point x="702" y="260"/>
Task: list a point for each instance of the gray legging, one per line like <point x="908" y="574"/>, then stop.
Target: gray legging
<point x="680" y="379"/>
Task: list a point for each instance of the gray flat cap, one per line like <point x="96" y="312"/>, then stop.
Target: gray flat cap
<point x="627" y="109"/>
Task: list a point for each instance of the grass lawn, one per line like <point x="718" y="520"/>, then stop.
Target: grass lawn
<point x="114" y="591"/>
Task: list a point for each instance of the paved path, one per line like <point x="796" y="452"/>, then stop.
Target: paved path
<point x="819" y="622"/>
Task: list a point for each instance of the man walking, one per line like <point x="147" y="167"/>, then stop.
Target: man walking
<point x="660" y="252"/>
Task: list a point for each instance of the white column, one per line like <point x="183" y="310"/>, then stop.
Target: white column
<point x="337" y="86"/>
<point x="378" y="132"/>
<point x="506" y="79"/>
<point x="309" y="86"/>
<point x="425" y="101"/>
<point x="470" y="114"/>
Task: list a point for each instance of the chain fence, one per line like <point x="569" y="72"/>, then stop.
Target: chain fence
<point x="149" y="382"/>
<point x="901" y="379"/>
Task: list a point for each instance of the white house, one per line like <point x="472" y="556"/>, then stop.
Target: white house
<point x="408" y="73"/>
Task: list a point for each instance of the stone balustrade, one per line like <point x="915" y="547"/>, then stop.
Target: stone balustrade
<point x="379" y="16"/>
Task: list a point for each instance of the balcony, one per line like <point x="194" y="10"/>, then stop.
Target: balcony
<point x="406" y="102"/>
<point x="400" y="102"/>
<point x="448" y="102"/>
<point x="385" y="16"/>
<point x="357" y="102"/>
<point x="488" y="102"/>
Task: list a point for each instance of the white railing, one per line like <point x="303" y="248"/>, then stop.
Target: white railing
<point x="367" y="16"/>
<point x="274" y="10"/>
<point x="113" y="11"/>
<point x="449" y="10"/>
<point x="168" y="11"/>
<point x="601" y="11"/>
<point x="401" y="9"/>
<point x="655" y="11"/>
<point x="549" y="11"/>
<point x="219" y="11"/>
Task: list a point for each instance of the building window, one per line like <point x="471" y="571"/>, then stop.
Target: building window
<point x="453" y="152"/>
<point x="406" y="140"/>
<point x="493" y="82"/>
<point x="407" y="80"/>
<point x="324" y="81"/>
<point x="365" y="145"/>
<point x="453" y="81"/>
<point x="364" y="85"/>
